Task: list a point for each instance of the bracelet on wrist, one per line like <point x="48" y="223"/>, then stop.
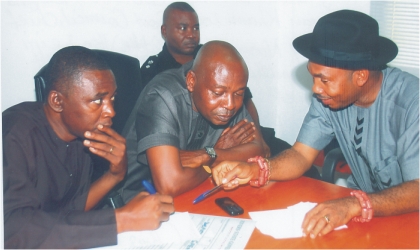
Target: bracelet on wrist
<point x="264" y="171"/>
<point x="367" y="210"/>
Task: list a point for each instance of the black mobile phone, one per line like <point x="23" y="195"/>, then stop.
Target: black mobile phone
<point x="229" y="206"/>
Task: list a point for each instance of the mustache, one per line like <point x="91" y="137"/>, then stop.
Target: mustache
<point x="225" y="112"/>
<point x="190" y="41"/>
<point x="322" y="97"/>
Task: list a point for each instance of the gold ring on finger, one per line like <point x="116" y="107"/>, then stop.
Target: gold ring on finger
<point x="327" y="219"/>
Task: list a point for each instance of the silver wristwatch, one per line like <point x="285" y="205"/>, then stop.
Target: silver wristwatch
<point x="211" y="152"/>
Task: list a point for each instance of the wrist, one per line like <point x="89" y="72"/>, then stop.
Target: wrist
<point x="114" y="177"/>
<point x="264" y="171"/>
<point x="211" y="155"/>
<point x="255" y="171"/>
<point x="366" y="209"/>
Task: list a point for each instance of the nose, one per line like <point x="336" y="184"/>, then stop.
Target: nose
<point x="192" y="33"/>
<point x="108" y="109"/>
<point x="317" y="87"/>
<point x="229" y="103"/>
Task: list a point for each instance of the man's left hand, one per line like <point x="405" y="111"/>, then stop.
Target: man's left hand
<point x="111" y="146"/>
<point x="241" y="133"/>
<point x="328" y="215"/>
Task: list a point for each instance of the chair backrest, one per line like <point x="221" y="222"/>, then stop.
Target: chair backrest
<point x="126" y="70"/>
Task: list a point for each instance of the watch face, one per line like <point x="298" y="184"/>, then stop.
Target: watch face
<point x="211" y="152"/>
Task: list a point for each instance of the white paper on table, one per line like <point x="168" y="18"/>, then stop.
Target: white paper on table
<point x="283" y="223"/>
<point x="190" y="231"/>
<point x="177" y="230"/>
<point x="219" y="232"/>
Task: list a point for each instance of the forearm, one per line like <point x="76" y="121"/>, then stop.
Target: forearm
<point x="179" y="181"/>
<point x="241" y="152"/>
<point x="238" y="153"/>
<point x="292" y="163"/>
<point x="400" y="199"/>
<point x="100" y="188"/>
<point x="169" y="176"/>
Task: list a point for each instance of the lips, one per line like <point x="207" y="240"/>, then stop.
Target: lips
<point x="190" y="44"/>
<point x="107" y="124"/>
<point x="224" y="118"/>
<point x="325" y="100"/>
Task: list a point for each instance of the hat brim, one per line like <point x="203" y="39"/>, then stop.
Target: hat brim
<point x="387" y="51"/>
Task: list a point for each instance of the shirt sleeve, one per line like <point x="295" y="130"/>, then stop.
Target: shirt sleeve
<point x="31" y="223"/>
<point x="157" y="120"/>
<point x="316" y="130"/>
<point x="408" y="143"/>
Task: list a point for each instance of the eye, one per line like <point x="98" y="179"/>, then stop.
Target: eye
<point x="217" y="93"/>
<point x="98" y="101"/>
<point x="240" y="93"/>
<point x="182" y="28"/>
<point x="196" y="28"/>
<point x="113" y="98"/>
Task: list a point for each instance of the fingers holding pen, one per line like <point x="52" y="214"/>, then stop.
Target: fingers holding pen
<point x="144" y="212"/>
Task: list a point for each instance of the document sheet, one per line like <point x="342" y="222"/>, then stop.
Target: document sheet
<point x="190" y="231"/>
<point x="283" y="223"/>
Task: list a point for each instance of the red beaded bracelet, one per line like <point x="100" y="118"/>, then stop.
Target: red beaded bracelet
<point x="367" y="210"/>
<point x="265" y="171"/>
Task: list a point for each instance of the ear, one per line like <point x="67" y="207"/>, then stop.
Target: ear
<point x="163" y="31"/>
<point x="55" y="101"/>
<point x="360" y="77"/>
<point x="190" y="81"/>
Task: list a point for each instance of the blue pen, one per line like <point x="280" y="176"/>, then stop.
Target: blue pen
<point x="149" y="187"/>
<point x="207" y="193"/>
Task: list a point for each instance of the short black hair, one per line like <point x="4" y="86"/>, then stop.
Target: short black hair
<point x="182" y="6"/>
<point x="67" y="65"/>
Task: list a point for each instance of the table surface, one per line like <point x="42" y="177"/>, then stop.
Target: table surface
<point x="400" y="231"/>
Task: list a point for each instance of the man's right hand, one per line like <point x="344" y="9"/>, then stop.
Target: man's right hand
<point x="144" y="212"/>
<point x="233" y="173"/>
<point x="241" y="133"/>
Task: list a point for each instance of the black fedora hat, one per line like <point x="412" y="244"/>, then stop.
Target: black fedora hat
<point x="347" y="39"/>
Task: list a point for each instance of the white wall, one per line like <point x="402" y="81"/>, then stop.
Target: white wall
<point x="31" y="32"/>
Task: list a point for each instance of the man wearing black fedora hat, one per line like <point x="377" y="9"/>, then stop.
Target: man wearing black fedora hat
<point x="371" y="109"/>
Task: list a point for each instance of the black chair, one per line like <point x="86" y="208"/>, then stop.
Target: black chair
<point x="126" y="70"/>
<point x="331" y="161"/>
